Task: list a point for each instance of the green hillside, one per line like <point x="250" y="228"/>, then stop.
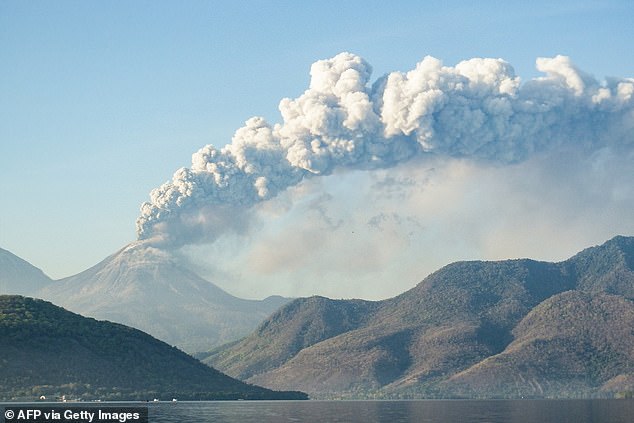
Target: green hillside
<point x="49" y="351"/>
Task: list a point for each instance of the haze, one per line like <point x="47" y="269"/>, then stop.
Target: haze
<point x="102" y="103"/>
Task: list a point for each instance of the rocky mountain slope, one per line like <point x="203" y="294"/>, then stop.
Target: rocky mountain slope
<point x="477" y="329"/>
<point x="46" y="350"/>
<point x="568" y="342"/>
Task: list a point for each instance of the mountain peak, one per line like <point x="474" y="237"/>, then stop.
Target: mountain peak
<point x="155" y="290"/>
<point x="624" y="244"/>
<point x="18" y="276"/>
<point x="143" y="253"/>
<point x="608" y="267"/>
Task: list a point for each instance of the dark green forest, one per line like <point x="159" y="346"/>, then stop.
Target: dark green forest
<point x="49" y="351"/>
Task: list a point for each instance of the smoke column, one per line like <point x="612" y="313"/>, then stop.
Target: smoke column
<point x="477" y="109"/>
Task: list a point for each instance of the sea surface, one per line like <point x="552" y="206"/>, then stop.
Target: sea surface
<point x="423" y="411"/>
<point x="431" y="411"/>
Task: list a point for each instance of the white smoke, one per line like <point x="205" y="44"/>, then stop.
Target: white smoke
<point x="476" y="110"/>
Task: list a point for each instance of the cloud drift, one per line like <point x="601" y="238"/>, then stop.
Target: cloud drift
<point x="477" y="110"/>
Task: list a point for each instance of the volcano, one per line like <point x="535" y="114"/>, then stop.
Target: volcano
<point x="156" y="291"/>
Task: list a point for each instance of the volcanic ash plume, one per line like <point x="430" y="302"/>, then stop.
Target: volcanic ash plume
<point x="477" y="110"/>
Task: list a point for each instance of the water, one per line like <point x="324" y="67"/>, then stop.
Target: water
<point x="462" y="411"/>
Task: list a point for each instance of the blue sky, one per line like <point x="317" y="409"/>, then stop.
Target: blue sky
<point x="102" y="101"/>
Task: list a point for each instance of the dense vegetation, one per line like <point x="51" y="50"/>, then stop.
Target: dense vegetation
<point x="514" y="328"/>
<point x="46" y="350"/>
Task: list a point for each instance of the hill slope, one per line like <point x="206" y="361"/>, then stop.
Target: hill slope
<point x="430" y="340"/>
<point x="571" y="342"/>
<point x="18" y="276"/>
<point x="152" y="290"/>
<point x="47" y="350"/>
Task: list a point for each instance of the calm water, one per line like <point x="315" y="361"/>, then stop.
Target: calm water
<point x="503" y="411"/>
<point x="432" y="411"/>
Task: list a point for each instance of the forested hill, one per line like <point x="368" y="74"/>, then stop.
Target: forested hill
<point x="46" y="350"/>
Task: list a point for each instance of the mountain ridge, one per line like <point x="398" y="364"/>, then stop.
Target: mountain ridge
<point x="18" y="276"/>
<point x="411" y="345"/>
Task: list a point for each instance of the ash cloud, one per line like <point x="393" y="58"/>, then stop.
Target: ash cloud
<point x="477" y="110"/>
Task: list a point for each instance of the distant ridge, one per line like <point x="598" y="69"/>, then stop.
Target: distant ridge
<point x="46" y="350"/>
<point x="18" y="276"/>
<point x="512" y="328"/>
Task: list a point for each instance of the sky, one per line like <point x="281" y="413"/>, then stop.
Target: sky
<point x="101" y="102"/>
